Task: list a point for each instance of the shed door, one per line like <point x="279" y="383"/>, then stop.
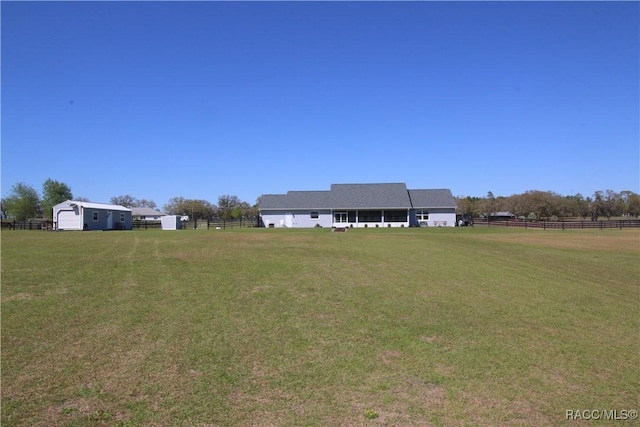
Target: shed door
<point x="68" y="220"/>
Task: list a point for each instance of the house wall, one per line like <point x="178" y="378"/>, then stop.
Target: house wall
<point x="102" y="222"/>
<point x="442" y="217"/>
<point x="296" y="219"/>
<point x="438" y="217"/>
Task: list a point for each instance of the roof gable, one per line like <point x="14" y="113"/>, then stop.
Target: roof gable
<point x="370" y="196"/>
<point x="437" y="198"/>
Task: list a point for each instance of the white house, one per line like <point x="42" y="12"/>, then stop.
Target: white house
<point x="76" y="215"/>
<point x="147" y="214"/>
<point x="359" y="205"/>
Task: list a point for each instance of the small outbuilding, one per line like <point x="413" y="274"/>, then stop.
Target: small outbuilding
<point x="171" y="222"/>
<point x="77" y="215"/>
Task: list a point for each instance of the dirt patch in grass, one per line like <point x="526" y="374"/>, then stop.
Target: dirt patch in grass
<point x="20" y="296"/>
<point x="502" y="412"/>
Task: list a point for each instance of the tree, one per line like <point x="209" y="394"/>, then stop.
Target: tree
<point x="144" y="203"/>
<point x="23" y="202"/>
<point x="468" y="206"/>
<point x="613" y="205"/>
<point x="127" y="201"/>
<point x="195" y="209"/>
<point x="3" y="208"/>
<point x="577" y="206"/>
<point x="489" y="205"/>
<point x="633" y="207"/>
<point x="131" y="202"/>
<point x="54" y="192"/>
<point x="226" y="206"/>
<point x="597" y="205"/>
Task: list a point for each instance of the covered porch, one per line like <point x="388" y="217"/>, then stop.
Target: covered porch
<point x="364" y="218"/>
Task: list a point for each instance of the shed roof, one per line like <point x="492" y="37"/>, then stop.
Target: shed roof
<point x="437" y="198"/>
<point x="92" y="205"/>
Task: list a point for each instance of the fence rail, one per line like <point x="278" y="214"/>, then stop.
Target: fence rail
<point x="562" y="225"/>
<point x="201" y="224"/>
<point x="36" y="224"/>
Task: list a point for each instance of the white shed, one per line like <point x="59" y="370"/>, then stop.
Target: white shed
<point x="171" y="222"/>
<point x="77" y="215"/>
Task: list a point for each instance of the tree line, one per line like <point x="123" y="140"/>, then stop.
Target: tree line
<point x="550" y="206"/>
<point x="24" y="203"/>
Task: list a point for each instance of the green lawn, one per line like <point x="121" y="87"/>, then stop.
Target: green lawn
<point x="443" y="327"/>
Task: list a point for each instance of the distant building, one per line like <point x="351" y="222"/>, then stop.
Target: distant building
<point x="501" y="216"/>
<point x="359" y="205"/>
<point x="76" y="215"/>
<point x="146" y="214"/>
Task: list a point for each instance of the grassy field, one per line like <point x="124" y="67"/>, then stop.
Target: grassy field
<point x="442" y="327"/>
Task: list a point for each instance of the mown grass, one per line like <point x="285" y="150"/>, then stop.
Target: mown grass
<point x="444" y="327"/>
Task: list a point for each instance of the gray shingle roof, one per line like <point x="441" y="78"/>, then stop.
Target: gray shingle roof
<point x="273" y="201"/>
<point x="309" y="199"/>
<point x="439" y="198"/>
<point x="360" y="196"/>
<point x="145" y="212"/>
<point x="369" y="196"/>
<point x="297" y="200"/>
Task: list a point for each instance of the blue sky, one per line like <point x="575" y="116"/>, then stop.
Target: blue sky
<point x="201" y="99"/>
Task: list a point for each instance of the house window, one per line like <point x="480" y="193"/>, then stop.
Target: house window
<point x="121" y="217"/>
<point x="370" y="216"/>
<point x="395" y="216"/>
<point x="422" y="215"/>
<point x="96" y="215"/>
<point x="314" y="215"/>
